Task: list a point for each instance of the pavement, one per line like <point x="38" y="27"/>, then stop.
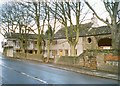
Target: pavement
<point x="83" y="70"/>
<point x="87" y="71"/>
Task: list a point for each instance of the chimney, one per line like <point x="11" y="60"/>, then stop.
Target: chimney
<point x="94" y="21"/>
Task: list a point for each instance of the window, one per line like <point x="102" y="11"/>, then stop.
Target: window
<point x="23" y="41"/>
<point x="17" y="44"/>
<point x="60" y="52"/>
<point x="66" y="52"/>
<point x="35" y="42"/>
<point x="30" y="51"/>
<point x="25" y="51"/>
<point x="89" y="40"/>
<point x="35" y="51"/>
<point x="28" y="43"/>
<point x="105" y="42"/>
<point x="75" y="51"/>
<point x="54" y="52"/>
<point x="54" y="42"/>
<point x="6" y="43"/>
<point x="14" y="41"/>
<point x="18" y="51"/>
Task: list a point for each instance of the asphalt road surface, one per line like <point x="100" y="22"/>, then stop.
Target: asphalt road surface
<point x="27" y="72"/>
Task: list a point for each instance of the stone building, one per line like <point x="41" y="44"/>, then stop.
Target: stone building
<point x="90" y="38"/>
<point x="93" y="49"/>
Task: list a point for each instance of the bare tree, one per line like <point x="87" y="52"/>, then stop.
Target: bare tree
<point x="65" y="13"/>
<point x="36" y="12"/>
<point x="51" y="30"/>
<point x="7" y="16"/>
<point x="15" y="17"/>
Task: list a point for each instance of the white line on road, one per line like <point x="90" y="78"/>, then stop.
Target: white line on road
<point x="34" y="78"/>
<point x="43" y="81"/>
<point x="18" y="60"/>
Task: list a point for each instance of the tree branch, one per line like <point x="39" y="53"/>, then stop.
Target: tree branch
<point x="96" y="14"/>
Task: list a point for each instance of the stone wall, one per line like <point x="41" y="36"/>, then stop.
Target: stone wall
<point x="35" y="57"/>
<point x="106" y="61"/>
<point x="28" y="56"/>
<point x="92" y="59"/>
<point x="67" y="60"/>
<point x="77" y="61"/>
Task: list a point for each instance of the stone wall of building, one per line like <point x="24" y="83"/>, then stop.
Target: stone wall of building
<point x="91" y="42"/>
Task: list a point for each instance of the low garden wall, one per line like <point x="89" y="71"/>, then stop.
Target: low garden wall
<point x="35" y="57"/>
<point x="67" y="60"/>
<point x="94" y="59"/>
<point x="28" y="56"/>
<point x="76" y="62"/>
<point x="108" y="60"/>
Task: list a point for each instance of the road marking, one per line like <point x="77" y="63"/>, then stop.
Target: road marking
<point x="6" y="66"/>
<point x="34" y="78"/>
<point x="43" y="81"/>
<point x="18" y="59"/>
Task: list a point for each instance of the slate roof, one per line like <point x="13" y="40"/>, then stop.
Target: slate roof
<point x="95" y="31"/>
<point x="86" y="30"/>
<point x="18" y="36"/>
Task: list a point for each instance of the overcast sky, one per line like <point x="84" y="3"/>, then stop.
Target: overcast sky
<point x="97" y="4"/>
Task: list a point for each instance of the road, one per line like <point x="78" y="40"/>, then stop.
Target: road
<point x="28" y="72"/>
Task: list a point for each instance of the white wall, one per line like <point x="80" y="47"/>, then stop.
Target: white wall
<point x="1" y="39"/>
<point x="10" y="52"/>
<point x="62" y="44"/>
<point x="30" y="45"/>
<point x="79" y="46"/>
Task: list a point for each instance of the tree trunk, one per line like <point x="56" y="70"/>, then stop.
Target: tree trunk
<point x="84" y="54"/>
<point x="39" y="46"/>
<point x="115" y="37"/>
<point x="48" y="51"/>
<point x="22" y="45"/>
<point x="72" y="50"/>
